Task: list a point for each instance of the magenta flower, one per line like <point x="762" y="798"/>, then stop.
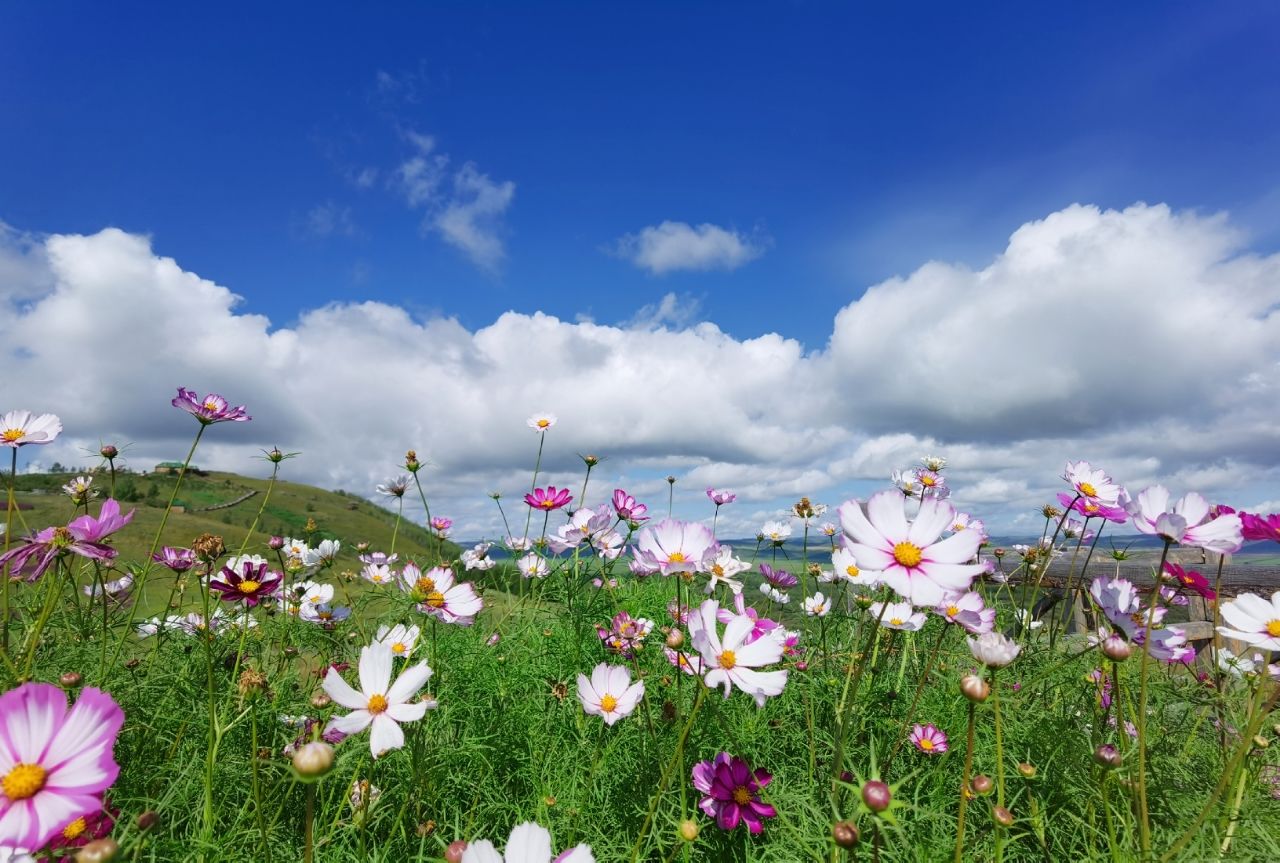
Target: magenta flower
<point x="55" y="763"/>
<point x="1260" y="527"/>
<point x="19" y="428"/>
<point x="213" y="409"/>
<point x="83" y="536"/>
<point x="779" y="578"/>
<point x="928" y="739"/>
<point x="87" y="828"/>
<point x="176" y="559"/>
<point x="731" y="792"/>
<point x="625" y="634"/>
<point x="1190" y="580"/>
<point x="250" y="584"/>
<point x="626" y="507"/>
<point x="721" y="496"/>
<point x="549" y="498"/>
<point x="762" y="625"/>
<point x="909" y="555"/>
<point x="441" y="525"/>
<point x="1092" y="508"/>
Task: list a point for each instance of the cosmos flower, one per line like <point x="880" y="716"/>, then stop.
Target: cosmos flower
<point x="1025" y="619"/>
<point x="113" y="589"/>
<point x="548" y="499"/>
<point x="1188" y="521"/>
<point x="323" y="613"/>
<point x="377" y="573"/>
<point x="323" y="554"/>
<point x="80" y="489"/>
<point x="731" y="792"/>
<point x="1090" y="508"/>
<point x="82" y="536"/>
<point x="845" y="568"/>
<point x="399" y="639"/>
<point x="817" y="605"/>
<point x="379" y="705"/>
<point x="1189" y="580"/>
<point x="1253" y="620"/>
<point x="934" y="463"/>
<point x="20" y="428"/>
<point x="528" y="843"/>
<point x="722" y="568"/>
<point x="625" y="634"/>
<point x="439" y="594"/>
<point x="395" y="487"/>
<point x="249" y="585"/>
<point x="477" y="557"/>
<point x="440" y="525"/>
<point x="213" y="409"/>
<point x="779" y="578"/>
<point x="774" y="594"/>
<point x="177" y="559"/>
<point x="731" y="659"/>
<point x="1092" y="484"/>
<point x="928" y="739"/>
<point x="1260" y="527"/>
<point x="828" y="528"/>
<point x="627" y="508"/>
<point x="761" y="625"/>
<point x="533" y="566"/>
<point x="609" y="692"/>
<point x="807" y="509"/>
<point x="305" y="593"/>
<point x="55" y="762"/>
<point x="378" y="558"/>
<point x="970" y="612"/>
<point x="540" y="422"/>
<point x="897" y="615"/>
<point x="674" y="546"/>
<point x="519" y="544"/>
<point x="993" y="649"/>
<point x="909" y="555"/>
<point x="776" y="531"/>
<point x="689" y="663"/>
<point x="86" y="828"/>
<point x="720" y="496"/>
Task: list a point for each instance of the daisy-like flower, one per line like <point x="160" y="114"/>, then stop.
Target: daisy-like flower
<point x="1189" y="580"/>
<point x="438" y="593"/>
<point x="828" y="528"/>
<point x="518" y="544"/>
<point x="213" y="409"/>
<point x="528" y="843"/>
<point x="376" y="573"/>
<point x="548" y="499"/>
<point x="905" y="482"/>
<point x="1260" y="528"/>
<point x="380" y="704"/>
<point x="722" y="568"/>
<point x="86" y="828"/>
<point x="609" y="692"/>
<point x="477" y="557"/>
<point x="1188" y="521"/>
<point x="55" y="762"/>
<point x="932" y="483"/>
<point x="440" y="526"/>
<point x="540" y="422"/>
<point x="533" y="566"/>
<point x="250" y="584"/>
<point x="399" y="639"/>
<point x="395" y="487"/>
<point x="83" y="536"/>
<point x="80" y="489"/>
<point x="625" y="634"/>
<point x="969" y="612"/>
<point x="934" y="463"/>
<point x="731" y="792"/>
<point x="1091" y="508"/>
<point x="731" y="659"/>
<point x="911" y="559"/>
<point x="115" y="589"/>
<point x="177" y="559"/>
<point x="817" y="605"/>
<point x="776" y="532"/>
<point x="993" y="649"/>
<point x="323" y="613"/>
<point x="721" y="496"/>
<point x="761" y="625"/>
<point x="323" y="554"/>
<point x="1092" y="483"/>
<point x="845" y="568"/>
<point x="674" y="546"/>
<point x="774" y="594"/>
<point x="20" y="428"/>
<point x="897" y="615"/>
<point x="1253" y="620"/>
<point x="779" y="578"/>
<point x="688" y="663"/>
<point x="928" y="739"/>
<point x="627" y="508"/>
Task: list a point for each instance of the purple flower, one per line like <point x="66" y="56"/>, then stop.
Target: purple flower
<point x="626" y="507"/>
<point x="625" y="634"/>
<point x="779" y="578"/>
<point x="176" y="559"/>
<point x="213" y="409"/>
<point x="721" y="496"/>
<point x="549" y="498"/>
<point x="250" y="585"/>
<point x="83" y="536"/>
<point x="732" y="792"/>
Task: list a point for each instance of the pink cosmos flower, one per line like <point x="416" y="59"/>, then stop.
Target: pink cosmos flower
<point x="1260" y="527"/>
<point x="689" y="663"/>
<point x="20" y="428"/>
<point x="248" y="583"/>
<point x="721" y="496"/>
<point x="928" y="739"/>
<point x="732" y="660"/>
<point x="760" y="625"/>
<point x="1188" y="521"/>
<point x="1092" y="483"/>
<point x="1091" y="508"/>
<point x="897" y="615"/>
<point x="528" y="843"/>
<point x="1190" y="580"/>
<point x="176" y="559"/>
<point x="441" y="525"/>
<point x="380" y="704"/>
<point x="627" y="508"/>
<point x="779" y="578"/>
<point x="549" y="498"/>
<point x="1253" y="620"/>
<point x="609" y="692"/>
<point x="213" y="409"/>
<point x="909" y="555"/>
<point x="731" y="792"/>
<point x="55" y="763"/>
<point x="625" y="634"/>
<point x="1118" y="600"/>
<point x="86" y="828"/>
<point x="675" y="546"/>
<point x="845" y="568"/>
<point x="83" y="536"/>
<point x="438" y="593"/>
<point x="970" y="612"/>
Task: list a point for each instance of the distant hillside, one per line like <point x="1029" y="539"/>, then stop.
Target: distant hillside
<point x="205" y="498"/>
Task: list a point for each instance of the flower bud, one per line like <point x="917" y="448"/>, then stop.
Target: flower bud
<point x="71" y="680"/>
<point x="108" y="451"/>
<point x="411" y="462"/>
<point x="1108" y="756"/>
<point x="982" y="784"/>
<point x="1116" y="648"/>
<point x="208" y="547"/>
<point x="1002" y="816"/>
<point x="1260" y="742"/>
<point x="675" y="638"/>
<point x="590" y="460"/>
<point x="688" y="830"/>
<point x="1027" y="769"/>
<point x="320" y="701"/>
<point x="274" y="455"/>
<point x="148" y="819"/>
<point x="98" y="851"/>
<point x="453" y="854"/>
<point x="876" y="795"/>
<point x="275" y="543"/>
<point x="845" y="834"/>
<point x="974" y="688"/>
<point x="802" y="666"/>
<point x="313" y="760"/>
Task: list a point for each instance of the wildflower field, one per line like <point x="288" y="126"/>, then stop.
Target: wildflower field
<point x="869" y="681"/>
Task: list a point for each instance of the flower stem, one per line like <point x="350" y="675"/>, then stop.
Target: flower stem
<point x="1144" y="820"/>
<point x="964" y="788"/>
<point x="677" y="758"/>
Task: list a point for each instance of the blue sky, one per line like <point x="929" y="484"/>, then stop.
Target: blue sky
<point x="745" y="198"/>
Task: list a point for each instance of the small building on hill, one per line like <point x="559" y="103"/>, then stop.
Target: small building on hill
<point x="174" y="467"/>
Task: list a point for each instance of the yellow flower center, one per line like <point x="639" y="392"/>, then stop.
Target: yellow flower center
<point x="851" y="571"/>
<point x="953" y="610"/>
<point x="75" y="828"/>
<point x="819" y="608"/>
<point x="424" y="586"/>
<point x="23" y="781"/>
<point x="741" y="795"/>
<point x="926" y="744"/>
<point x="398" y="647"/>
<point x="11" y="435"/>
<point x="544" y="423"/>
<point x="728" y="660"/>
<point x="1087" y="489"/>
<point x="377" y="704"/>
<point x="676" y="557"/>
<point x="897" y="621"/>
<point x="210" y="405"/>
<point x="717" y="570"/>
<point x="249" y="586"/>
<point x="547" y="503"/>
<point x="907" y="554"/>
<point x="927" y="480"/>
<point x="435" y="599"/>
<point x="1273" y="628"/>
<point x="608" y="704"/>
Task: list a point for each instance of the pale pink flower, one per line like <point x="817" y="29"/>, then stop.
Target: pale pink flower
<point x="528" y="843"/>
<point x="438" y="593"/>
<point x="969" y="612"/>
<point x="1092" y="483"/>
<point x="731" y="659"/>
<point x="609" y="692"/>
<point x="897" y="615"/>
<point x="674" y="546"/>
<point x="1189" y="521"/>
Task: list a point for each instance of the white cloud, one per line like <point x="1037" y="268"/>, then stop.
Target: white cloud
<point x="672" y="246"/>
<point x="1143" y="340"/>
<point x="330" y="219"/>
<point x="419" y="176"/>
<point x="472" y="219"/>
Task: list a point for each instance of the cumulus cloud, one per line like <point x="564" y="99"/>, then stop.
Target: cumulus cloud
<point x="1145" y="340"/>
<point x="672" y="246"/>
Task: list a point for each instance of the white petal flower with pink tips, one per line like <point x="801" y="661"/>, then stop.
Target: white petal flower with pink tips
<point x="1189" y="521"/>
<point x="380" y="704"/>
<point x="910" y="557"/>
<point x="609" y="692"/>
<point x="731" y="660"/>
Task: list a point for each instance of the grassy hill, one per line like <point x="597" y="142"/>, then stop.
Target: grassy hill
<point x="337" y="515"/>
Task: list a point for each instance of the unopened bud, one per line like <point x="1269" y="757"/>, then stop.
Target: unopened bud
<point x="1027" y="769"/>
<point x="688" y="830"/>
<point x="845" y="834"/>
<point x="275" y="543"/>
<point x="590" y="460"/>
<point x="98" y="851"/>
<point x="1002" y="816"/>
<point x="1116" y="648"/>
<point x="975" y="688"/>
<point x="675" y="638"/>
<point x="71" y="680"/>
<point x="313" y="760"/>
<point x="876" y="795"/>
<point x="453" y="854"/>
<point x="1108" y="756"/>
<point x="982" y="784"/>
<point x="320" y="701"/>
<point x="1261" y="742"/>
<point x="148" y="819"/>
<point x="275" y="456"/>
<point x="108" y="451"/>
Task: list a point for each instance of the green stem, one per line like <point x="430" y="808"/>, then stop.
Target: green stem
<point x="1144" y="821"/>
<point x="677" y="758"/>
<point x="964" y="788"/>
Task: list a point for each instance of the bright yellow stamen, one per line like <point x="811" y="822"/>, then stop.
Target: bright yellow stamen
<point x="435" y="599"/>
<point x="1273" y="628"/>
<point x="907" y="554"/>
<point x="424" y="586"/>
<point x="1087" y="489"/>
<point x="210" y="405"/>
<point x="398" y="647"/>
<point x="675" y="557"/>
<point x="544" y="424"/>
<point x="728" y="660"/>
<point x="75" y="828"/>
<point x="927" y="480"/>
<point x="897" y="621"/>
<point x="926" y="744"/>
<point x="851" y="571"/>
<point x="608" y="704"/>
<point x="23" y="781"/>
<point x="717" y="570"/>
<point x="741" y="795"/>
<point x="953" y="610"/>
<point x="249" y="586"/>
<point x="377" y="704"/>
<point x="11" y="435"/>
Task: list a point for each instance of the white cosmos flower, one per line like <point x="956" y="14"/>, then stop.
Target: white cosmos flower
<point x="540" y="422"/>
<point x="776" y="531"/>
<point x="380" y="705"/>
<point x="324" y="553"/>
<point x="817" y="605"/>
<point x="19" y="428"/>
<point x="774" y="594"/>
<point x="533" y="566"/>
<point x="528" y="843"/>
<point x="845" y="568"/>
<point x="721" y="567"/>
<point x="609" y="692"/>
<point x="1253" y="620"/>
<point x="993" y="649"/>
<point x="731" y="661"/>
<point x="477" y="557"/>
<point x="897" y="615"/>
<point x="400" y="639"/>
